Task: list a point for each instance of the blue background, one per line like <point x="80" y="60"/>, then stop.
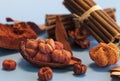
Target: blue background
<point x="35" y="10"/>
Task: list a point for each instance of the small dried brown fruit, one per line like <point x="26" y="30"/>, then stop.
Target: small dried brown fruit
<point x="9" y="64"/>
<point x="47" y="47"/>
<point x="45" y="73"/>
<point x="58" y="45"/>
<point x="61" y="56"/>
<point x="32" y="44"/>
<point x="79" y="68"/>
<point x="42" y="57"/>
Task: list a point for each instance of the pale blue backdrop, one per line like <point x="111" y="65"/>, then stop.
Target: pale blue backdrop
<point x="35" y="10"/>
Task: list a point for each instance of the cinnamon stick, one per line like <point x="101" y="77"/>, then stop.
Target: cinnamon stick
<point x="101" y="25"/>
<point x="69" y="23"/>
<point x="66" y="19"/>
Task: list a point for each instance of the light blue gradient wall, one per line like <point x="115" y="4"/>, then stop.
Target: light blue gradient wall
<point x="35" y="10"/>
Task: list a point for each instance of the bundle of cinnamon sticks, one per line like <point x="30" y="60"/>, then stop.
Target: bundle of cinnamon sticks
<point x="98" y="22"/>
<point x="68" y="21"/>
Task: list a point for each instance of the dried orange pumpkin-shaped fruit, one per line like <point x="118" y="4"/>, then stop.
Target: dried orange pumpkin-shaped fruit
<point x="105" y="54"/>
<point x="47" y="53"/>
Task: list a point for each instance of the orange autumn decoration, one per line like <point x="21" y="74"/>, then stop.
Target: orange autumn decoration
<point x="104" y="54"/>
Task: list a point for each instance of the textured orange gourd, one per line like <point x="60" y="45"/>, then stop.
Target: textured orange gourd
<point x="104" y="54"/>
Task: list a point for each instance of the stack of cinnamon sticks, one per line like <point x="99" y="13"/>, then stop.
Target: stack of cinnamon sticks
<point x="68" y="21"/>
<point x="98" y="22"/>
<point x="111" y="12"/>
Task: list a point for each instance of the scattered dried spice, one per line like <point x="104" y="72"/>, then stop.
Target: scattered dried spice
<point x="80" y="37"/>
<point x="17" y="32"/>
<point x="39" y="29"/>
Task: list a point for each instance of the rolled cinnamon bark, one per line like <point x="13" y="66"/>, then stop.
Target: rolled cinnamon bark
<point x="97" y="21"/>
<point x="69" y="22"/>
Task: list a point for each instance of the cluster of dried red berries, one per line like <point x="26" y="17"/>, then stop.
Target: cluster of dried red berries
<point x="47" y="51"/>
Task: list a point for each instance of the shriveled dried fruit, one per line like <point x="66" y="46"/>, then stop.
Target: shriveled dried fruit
<point x="47" y="47"/>
<point x="45" y="73"/>
<point x="58" y="45"/>
<point x="105" y="54"/>
<point x="51" y="42"/>
<point x="41" y="55"/>
<point x="9" y="64"/>
<point x="32" y="44"/>
<point x="79" y="68"/>
<point x="61" y="56"/>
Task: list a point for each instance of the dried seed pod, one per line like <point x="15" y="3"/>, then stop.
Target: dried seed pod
<point x="79" y="68"/>
<point x="61" y="56"/>
<point x="44" y="58"/>
<point x="45" y="73"/>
